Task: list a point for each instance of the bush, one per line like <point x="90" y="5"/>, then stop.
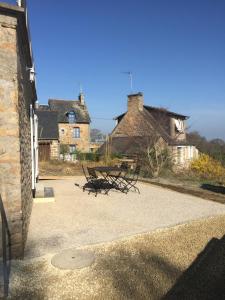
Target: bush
<point x="88" y="156"/>
<point x="155" y="160"/>
<point x="208" y="168"/>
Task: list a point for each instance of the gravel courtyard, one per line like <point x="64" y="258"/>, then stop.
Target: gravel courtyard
<point x="77" y="219"/>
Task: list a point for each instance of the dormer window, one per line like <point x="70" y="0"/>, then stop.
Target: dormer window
<point x="179" y="125"/>
<point x="71" y="117"/>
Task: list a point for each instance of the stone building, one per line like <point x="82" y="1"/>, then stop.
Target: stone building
<point x="48" y="135"/>
<point x="143" y="124"/>
<point x="18" y="123"/>
<point x="73" y="123"/>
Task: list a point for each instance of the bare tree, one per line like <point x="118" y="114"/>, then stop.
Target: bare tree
<point x="154" y="153"/>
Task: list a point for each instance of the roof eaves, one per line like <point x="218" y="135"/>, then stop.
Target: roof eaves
<point x="117" y="117"/>
<point x="166" y="111"/>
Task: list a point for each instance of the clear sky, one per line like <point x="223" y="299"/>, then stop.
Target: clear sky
<point x="175" y="49"/>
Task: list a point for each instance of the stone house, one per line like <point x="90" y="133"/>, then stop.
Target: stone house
<point x="48" y="135"/>
<point x="73" y="123"/>
<point x="18" y="123"/>
<point x="143" y="124"/>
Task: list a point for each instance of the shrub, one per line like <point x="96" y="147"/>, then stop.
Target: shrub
<point x="64" y="149"/>
<point x="208" y="168"/>
<point x="155" y="160"/>
<point x="88" y="156"/>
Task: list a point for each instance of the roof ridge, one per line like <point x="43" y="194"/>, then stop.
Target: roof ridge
<point x="64" y="100"/>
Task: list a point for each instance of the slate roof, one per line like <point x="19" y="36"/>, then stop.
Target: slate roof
<point x="47" y="125"/>
<point x="65" y="106"/>
<point x="165" y="111"/>
<point x="158" y="110"/>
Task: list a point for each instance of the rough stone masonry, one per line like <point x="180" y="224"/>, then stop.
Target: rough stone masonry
<point x="17" y="93"/>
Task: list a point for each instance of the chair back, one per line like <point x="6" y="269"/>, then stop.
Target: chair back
<point x="85" y="173"/>
<point x="137" y="170"/>
<point x="92" y="173"/>
<point x="124" y="165"/>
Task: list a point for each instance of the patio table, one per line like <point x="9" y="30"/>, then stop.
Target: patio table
<point x="112" y="175"/>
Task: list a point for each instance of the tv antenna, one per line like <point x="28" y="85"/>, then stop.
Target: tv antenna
<point x="130" y="74"/>
<point x="80" y="88"/>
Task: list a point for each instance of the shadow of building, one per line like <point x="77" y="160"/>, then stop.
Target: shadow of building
<point x="205" y="278"/>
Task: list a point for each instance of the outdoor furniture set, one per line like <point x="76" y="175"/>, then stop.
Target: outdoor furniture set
<point x="119" y="178"/>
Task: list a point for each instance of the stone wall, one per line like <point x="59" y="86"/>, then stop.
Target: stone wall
<point x="66" y="136"/>
<point x="25" y="97"/>
<point x="54" y="149"/>
<point x="16" y="95"/>
<point x="183" y="155"/>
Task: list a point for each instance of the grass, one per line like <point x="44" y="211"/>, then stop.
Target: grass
<point x="63" y="168"/>
<point x="188" y="183"/>
<point x="141" y="267"/>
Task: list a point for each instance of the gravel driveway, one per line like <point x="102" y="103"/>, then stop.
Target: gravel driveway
<point x="77" y="219"/>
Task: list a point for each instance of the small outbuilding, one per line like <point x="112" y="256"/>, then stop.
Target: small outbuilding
<point x="48" y="135"/>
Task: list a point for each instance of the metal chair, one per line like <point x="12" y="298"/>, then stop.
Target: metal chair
<point x="130" y="180"/>
<point x="94" y="183"/>
<point x="124" y="165"/>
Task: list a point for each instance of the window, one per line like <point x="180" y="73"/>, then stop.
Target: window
<point x="62" y="131"/>
<point x="71" y="117"/>
<point x="179" y="125"/>
<point x="76" y="132"/>
<point x="180" y="155"/>
<point x="72" y="148"/>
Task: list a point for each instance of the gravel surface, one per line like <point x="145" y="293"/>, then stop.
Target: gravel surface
<point x="77" y="219"/>
<point x="145" y="266"/>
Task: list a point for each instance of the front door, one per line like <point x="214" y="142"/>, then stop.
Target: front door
<point x="44" y="151"/>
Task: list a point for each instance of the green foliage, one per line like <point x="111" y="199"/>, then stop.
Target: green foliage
<point x="214" y="148"/>
<point x="64" y="149"/>
<point x="88" y="156"/>
<point x="116" y="155"/>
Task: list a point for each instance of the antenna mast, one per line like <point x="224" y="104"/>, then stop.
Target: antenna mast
<point x="80" y="87"/>
<point x="130" y="74"/>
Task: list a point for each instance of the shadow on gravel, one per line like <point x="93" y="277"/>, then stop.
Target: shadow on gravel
<point x="142" y="275"/>
<point x="29" y="283"/>
<point x="214" y="188"/>
<point x="204" y="279"/>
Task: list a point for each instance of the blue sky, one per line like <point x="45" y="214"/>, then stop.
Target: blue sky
<point x="175" y="49"/>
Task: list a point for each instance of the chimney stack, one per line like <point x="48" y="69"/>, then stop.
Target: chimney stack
<point x="135" y="102"/>
<point x="81" y="98"/>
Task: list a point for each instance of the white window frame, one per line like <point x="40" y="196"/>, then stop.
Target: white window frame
<point x="75" y="130"/>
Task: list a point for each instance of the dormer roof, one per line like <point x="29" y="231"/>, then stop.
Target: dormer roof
<point x="63" y="107"/>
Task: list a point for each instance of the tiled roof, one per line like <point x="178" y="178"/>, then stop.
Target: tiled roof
<point x="65" y="106"/>
<point x="47" y="125"/>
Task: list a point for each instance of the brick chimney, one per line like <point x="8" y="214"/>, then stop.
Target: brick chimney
<point x="81" y="98"/>
<point x="135" y="102"/>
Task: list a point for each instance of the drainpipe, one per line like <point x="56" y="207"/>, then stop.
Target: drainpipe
<point x="32" y="147"/>
<point x="36" y="148"/>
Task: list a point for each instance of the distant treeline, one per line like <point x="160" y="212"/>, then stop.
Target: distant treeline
<point x="215" y="148"/>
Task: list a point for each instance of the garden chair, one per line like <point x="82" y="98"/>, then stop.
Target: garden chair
<point x="130" y="180"/>
<point x="94" y="183"/>
<point x="124" y="165"/>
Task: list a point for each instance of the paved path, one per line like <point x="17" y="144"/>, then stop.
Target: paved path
<point x="78" y="219"/>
